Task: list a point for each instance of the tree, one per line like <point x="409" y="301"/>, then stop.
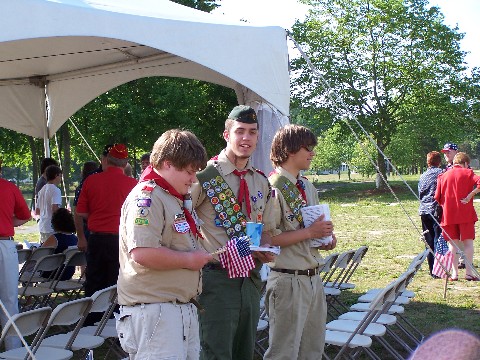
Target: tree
<point x="334" y="148"/>
<point x="391" y="62"/>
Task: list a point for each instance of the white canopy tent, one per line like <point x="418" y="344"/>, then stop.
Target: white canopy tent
<point x="71" y="51"/>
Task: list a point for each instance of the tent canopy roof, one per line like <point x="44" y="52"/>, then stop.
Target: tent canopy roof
<point x="80" y="49"/>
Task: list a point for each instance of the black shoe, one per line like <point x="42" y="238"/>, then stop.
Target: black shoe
<point x="461" y="266"/>
<point x="435" y="276"/>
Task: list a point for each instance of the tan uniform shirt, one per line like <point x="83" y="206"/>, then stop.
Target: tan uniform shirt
<point x="262" y="209"/>
<point x="147" y="220"/>
<point x="299" y="256"/>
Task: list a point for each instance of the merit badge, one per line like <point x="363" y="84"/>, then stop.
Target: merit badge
<point x="227" y="223"/>
<point x="206" y="185"/>
<point x="228" y="192"/>
<point x="218" y="208"/>
<point x="233" y="219"/>
<point x="141" y="221"/>
<point x="214" y="200"/>
<point x="218" y="222"/>
<point x="226" y="203"/>
<point x="222" y="215"/>
<point x="144" y="202"/>
<point x="218" y="189"/>
<point x="230" y="232"/>
<point x="210" y="193"/>
<point x="219" y="179"/>
<point x="222" y="196"/>
<point x="181" y="226"/>
<point x="236" y="207"/>
<point x="143" y="212"/>
<point x="229" y="211"/>
<point x="238" y="227"/>
<point x="213" y="182"/>
<point x="224" y="186"/>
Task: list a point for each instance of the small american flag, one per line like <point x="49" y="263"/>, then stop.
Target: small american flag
<point x="237" y="258"/>
<point x="442" y="255"/>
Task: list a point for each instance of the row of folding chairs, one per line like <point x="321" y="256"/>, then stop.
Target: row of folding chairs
<point x="36" y="290"/>
<point x="378" y="315"/>
<point x="40" y="323"/>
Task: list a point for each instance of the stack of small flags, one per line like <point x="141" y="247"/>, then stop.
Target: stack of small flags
<point x="237" y="258"/>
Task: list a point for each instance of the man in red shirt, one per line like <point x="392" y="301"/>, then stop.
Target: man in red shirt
<point x="100" y="202"/>
<point x="13" y="212"/>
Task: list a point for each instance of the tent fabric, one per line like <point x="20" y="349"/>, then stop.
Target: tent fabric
<point x="74" y="50"/>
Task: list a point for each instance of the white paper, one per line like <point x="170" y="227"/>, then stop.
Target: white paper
<point x="312" y="213"/>
<point x="273" y="249"/>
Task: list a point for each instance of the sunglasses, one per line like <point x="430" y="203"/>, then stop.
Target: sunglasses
<point x="309" y="148"/>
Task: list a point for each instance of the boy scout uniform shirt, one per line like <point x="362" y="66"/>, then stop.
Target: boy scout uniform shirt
<point x="299" y="256"/>
<point x="261" y="203"/>
<point x="148" y="220"/>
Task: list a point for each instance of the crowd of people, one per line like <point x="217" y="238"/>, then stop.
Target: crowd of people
<point x="161" y="239"/>
<point x="447" y="212"/>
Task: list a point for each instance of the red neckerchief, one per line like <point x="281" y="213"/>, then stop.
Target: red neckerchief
<point x="243" y="193"/>
<point x="150" y="174"/>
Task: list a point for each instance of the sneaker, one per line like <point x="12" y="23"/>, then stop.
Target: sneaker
<point x="461" y="265"/>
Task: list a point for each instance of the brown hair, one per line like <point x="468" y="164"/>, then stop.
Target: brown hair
<point x="289" y="140"/>
<point x="434" y="158"/>
<point x="181" y="147"/>
<point x="461" y="158"/>
<point x="52" y="171"/>
<point x="230" y="122"/>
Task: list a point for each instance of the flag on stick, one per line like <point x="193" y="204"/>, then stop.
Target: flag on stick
<point x="444" y="256"/>
<point x="237" y="258"/>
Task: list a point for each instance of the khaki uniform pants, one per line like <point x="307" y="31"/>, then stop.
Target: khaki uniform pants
<point x="297" y="312"/>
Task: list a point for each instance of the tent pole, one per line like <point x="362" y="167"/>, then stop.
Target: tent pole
<point x="42" y="82"/>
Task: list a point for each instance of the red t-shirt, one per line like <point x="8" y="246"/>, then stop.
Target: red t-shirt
<point x="452" y="186"/>
<point x="12" y="203"/>
<point x="102" y="197"/>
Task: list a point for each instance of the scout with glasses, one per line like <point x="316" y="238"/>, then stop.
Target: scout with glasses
<point x="295" y="299"/>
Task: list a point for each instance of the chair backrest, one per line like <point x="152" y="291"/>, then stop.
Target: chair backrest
<point x="42" y="251"/>
<point x="341" y="265"/>
<point x="354" y="263"/>
<point x="76" y="258"/>
<point x="103" y="299"/>
<point x="23" y="255"/>
<point x="329" y="261"/>
<point x="69" y="313"/>
<point x="70" y="251"/>
<point x="28" y="323"/>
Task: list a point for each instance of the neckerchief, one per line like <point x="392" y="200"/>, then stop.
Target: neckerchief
<point x="243" y="193"/>
<point x="150" y="174"/>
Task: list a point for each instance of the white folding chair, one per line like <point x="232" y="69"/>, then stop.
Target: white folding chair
<point x="31" y="295"/>
<point x="69" y="313"/>
<point x="102" y="301"/>
<point x="36" y="254"/>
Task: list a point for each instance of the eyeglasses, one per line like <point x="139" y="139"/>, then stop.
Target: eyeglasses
<point x="309" y="148"/>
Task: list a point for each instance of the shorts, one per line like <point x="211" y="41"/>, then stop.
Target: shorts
<point x="463" y="231"/>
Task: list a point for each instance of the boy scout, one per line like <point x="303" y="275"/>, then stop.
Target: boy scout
<point x="295" y="298"/>
<point x="230" y="193"/>
<point x="160" y="256"/>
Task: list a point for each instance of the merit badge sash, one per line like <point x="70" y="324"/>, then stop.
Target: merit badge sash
<point x="224" y="202"/>
<point x="291" y="194"/>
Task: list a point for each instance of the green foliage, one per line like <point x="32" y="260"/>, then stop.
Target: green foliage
<point x="394" y="65"/>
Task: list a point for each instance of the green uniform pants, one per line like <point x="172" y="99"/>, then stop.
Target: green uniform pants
<point x="229" y="324"/>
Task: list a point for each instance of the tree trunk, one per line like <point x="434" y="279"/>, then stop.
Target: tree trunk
<point x="35" y="166"/>
<point x="379" y="182"/>
<point x="66" y="158"/>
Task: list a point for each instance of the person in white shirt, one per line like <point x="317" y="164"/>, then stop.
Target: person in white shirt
<point x="49" y="201"/>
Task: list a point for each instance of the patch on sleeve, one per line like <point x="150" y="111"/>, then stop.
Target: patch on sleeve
<point x="141" y="221"/>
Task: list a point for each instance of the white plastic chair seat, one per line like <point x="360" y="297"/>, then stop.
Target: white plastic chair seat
<point x="43" y="353"/>
<point x="394" y="309"/>
<point x="80" y="342"/>
<point x="384" y="319"/>
<point x="368" y="297"/>
<point x="349" y="326"/>
<point x="329" y="291"/>
<point x="262" y="325"/>
<point x="107" y="332"/>
<point x="339" y="338"/>
<point x="342" y="286"/>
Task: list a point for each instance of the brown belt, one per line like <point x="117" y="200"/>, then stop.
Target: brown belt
<point x="308" y="272"/>
<point x="6" y="237"/>
<point x="213" y="266"/>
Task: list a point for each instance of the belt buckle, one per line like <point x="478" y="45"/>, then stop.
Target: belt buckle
<point x="308" y="272"/>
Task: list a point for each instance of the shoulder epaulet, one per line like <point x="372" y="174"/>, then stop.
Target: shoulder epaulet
<point x="260" y="172"/>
